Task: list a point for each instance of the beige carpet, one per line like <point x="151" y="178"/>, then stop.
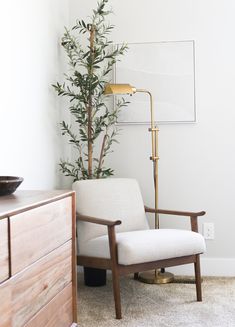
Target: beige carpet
<point x="158" y="305"/>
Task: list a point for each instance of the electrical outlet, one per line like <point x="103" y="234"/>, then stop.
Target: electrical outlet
<point x="209" y="231"/>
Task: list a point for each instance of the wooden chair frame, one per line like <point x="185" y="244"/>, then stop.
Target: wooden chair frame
<point x="119" y="270"/>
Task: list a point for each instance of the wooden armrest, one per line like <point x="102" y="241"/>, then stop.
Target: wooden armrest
<point x="176" y="213"/>
<point x="193" y="215"/>
<point x="99" y="221"/>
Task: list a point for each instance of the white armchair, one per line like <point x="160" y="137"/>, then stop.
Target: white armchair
<point x="113" y="233"/>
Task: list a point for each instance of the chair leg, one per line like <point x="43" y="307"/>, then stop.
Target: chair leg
<point x="198" y="278"/>
<point x="116" y="293"/>
<point x="115" y="272"/>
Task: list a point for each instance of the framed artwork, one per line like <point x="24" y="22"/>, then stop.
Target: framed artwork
<point x="167" y="70"/>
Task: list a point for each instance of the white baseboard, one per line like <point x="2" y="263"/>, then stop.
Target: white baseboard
<point x="209" y="267"/>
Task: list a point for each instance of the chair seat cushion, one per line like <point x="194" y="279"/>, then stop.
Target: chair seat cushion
<point x="146" y="245"/>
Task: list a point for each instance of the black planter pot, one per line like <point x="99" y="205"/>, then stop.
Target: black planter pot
<point x="94" y="276"/>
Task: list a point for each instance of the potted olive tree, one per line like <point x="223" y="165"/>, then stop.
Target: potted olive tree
<point x="93" y="128"/>
<point x="91" y="60"/>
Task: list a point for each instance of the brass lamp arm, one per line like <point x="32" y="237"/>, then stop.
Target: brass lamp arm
<point x="151" y="103"/>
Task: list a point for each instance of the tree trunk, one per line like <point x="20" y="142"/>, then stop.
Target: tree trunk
<point x="89" y="108"/>
<point x="101" y="155"/>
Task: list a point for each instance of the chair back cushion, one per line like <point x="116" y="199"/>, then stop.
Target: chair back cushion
<point x="110" y="199"/>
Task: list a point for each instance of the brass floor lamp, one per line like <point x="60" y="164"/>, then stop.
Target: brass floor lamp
<point x="154" y="276"/>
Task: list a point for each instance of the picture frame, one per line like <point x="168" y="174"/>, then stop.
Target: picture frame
<point x="167" y="70"/>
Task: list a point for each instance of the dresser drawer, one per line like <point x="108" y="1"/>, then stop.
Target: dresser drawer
<point x="4" y="255"/>
<point x="5" y="304"/>
<point x="57" y="313"/>
<point x="36" y="286"/>
<point x="37" y="232"/>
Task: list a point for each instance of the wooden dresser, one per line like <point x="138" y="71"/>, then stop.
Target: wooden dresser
<point x="38" y="259"/>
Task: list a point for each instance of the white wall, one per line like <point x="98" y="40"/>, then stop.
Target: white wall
<point x="30" y="142"/>
<point x="196" y="160"/>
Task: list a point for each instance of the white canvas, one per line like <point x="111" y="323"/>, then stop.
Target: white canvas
<point x="166" y="69"/>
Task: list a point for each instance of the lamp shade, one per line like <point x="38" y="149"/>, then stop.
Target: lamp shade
<point x="119" y="89"/>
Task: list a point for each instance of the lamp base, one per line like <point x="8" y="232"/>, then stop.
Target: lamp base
<point x="155" y="277"/>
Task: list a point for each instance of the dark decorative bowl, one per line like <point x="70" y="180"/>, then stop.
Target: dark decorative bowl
<point x="8" y="184"/>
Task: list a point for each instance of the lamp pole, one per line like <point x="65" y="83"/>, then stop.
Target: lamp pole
<point x="156" y="276"/>
<point x="154" y="157"/>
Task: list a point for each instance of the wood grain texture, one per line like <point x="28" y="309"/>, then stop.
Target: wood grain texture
<point x="74" y="258"/>
<point x="115" y="272"/>
<point x="41" y="226"/>
<point x="125" y="270"/>
<point x="4" y="255"/>
<point x="94" y="262"/>
<point x="174" y="212"/>
<point x="34" y="287"/>
<point x="5" y="305"/>
<point x="194" y="224"/>
<point x="198" y="278"/>
<point x="25" y="200"/>
<point x="57" y="313"/>
<point x="98" y="221"/>
<point x="36" y="232"/>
